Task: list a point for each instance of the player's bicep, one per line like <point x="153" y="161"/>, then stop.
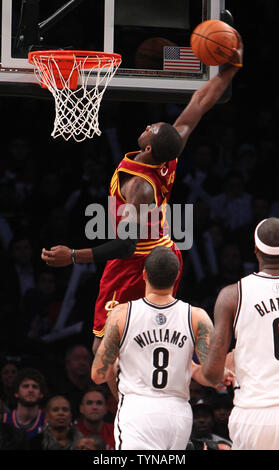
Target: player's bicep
<point x="223" y="319"/>
<point x="139" y="198"/>
<point x="224" y="310"/>
<point x="203" y="329"/>
<point x="225" y="305"/>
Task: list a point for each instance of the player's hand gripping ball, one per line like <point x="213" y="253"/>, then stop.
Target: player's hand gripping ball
<point x="214" y="42"/>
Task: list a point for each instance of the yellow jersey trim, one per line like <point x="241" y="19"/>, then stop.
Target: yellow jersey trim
<point x="145" y="248"/>
<point x="100" y="333"/>
<point x="126" y="157"/>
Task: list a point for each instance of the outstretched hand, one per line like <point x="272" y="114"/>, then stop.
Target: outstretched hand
<point x="237" y="57"/>
<point x="58" y="256"/>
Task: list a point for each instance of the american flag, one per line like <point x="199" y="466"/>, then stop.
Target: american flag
<point x="180" y="58"/>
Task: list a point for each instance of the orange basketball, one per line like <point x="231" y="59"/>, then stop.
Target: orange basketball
<point x="213" y="41"/>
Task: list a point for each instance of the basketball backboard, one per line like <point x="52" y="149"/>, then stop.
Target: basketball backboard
<point x="153" y="38"/>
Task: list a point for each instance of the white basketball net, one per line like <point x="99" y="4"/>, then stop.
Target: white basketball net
<point x="76" y="111"/>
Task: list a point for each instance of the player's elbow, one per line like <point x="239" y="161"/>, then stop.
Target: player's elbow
<point x="97" y="378"/>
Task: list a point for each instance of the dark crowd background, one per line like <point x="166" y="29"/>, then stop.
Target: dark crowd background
<point x="228" y="171"/>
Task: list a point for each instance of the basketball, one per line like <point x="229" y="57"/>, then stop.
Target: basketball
<point x="212" y="42"/>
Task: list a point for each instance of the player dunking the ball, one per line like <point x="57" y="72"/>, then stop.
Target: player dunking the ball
<point x="142" y="178"/>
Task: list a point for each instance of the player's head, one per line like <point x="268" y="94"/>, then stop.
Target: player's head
<point x="267" y="241"/>
<point x="162" y="268"/>
<point x="163" y="140"/>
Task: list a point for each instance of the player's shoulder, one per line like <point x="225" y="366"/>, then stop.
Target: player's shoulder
<point x="229" y="291"/>
<point x="119" y="309"/>
<point x="117" y="317"/>
<point x="199" y="315"/>
<point x="198" y="311"/>
<point x="227" y="299"/>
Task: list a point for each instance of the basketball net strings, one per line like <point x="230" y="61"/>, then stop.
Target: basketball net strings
<point x="76" y="110"/>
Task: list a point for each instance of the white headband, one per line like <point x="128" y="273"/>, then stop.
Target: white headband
<point x="268" y="250"/>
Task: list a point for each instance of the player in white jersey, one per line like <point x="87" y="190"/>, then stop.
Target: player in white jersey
<point x="250" y="308"/>
<point x="154" y="339"/>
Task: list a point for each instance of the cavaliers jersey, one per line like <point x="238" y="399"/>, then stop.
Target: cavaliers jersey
<point x="256" y="353"/>
<point x="161" y="177"/>
<point x="156" y="349"/>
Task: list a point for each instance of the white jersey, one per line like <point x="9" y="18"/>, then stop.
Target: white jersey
<point x="156" y="350"/>
<point x="257" y="342"/>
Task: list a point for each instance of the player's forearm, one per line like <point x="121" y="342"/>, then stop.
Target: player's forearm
<point x="213" y="367"/>
<point x="206" y="97"/>
<point x="84" y="255"/>
<point x="198" y="376"/>
<point x="102" y="371"/>
<point x="202" y="101"/>
<point x="61" y="256"/>
<point x="98" y="376"/>
<point x="112" y="383"/>
<point x="114" y="249"/>
<point x="211" y="92"/>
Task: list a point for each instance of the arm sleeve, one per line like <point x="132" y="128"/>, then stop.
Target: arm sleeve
<point x="116" y="249"/>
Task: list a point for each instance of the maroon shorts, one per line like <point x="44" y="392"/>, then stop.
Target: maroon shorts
<point x="122" y="281"/>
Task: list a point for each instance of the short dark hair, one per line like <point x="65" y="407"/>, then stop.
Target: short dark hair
<point x="54" y="397"/>
<point x="96" y="388"/>
<point x="268" y="233"/>
<point x="162" y="267"/>
<point x="31" y="374"/>
<point x="166" y="144"/>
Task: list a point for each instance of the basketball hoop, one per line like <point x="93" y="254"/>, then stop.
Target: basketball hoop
<point x="66" y="75"/>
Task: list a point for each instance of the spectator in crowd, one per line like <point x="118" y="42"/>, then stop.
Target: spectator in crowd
<point x="59" y="434"/>
<point x="56" y="227"/>
<point x="30" y="388"/>
<point x="199" y="393"/>
<point x="20" y="273"/>
<point x="207" y="444"/>
<point x="76" y="377"/>
<point x="243" y="236"/>
<point x="93" y="408"/>
<point x="11" y="438"/>
<point x="10" y="211"/>
<point x="246" y="163"/>
<point x="90" y="188"/>
<point x="8" y="373"/>
<point x="91" y="442"/>
<point x="203" y="423"/>
<point x="230" y="268"/>
<point x="200" y="181"/>
<point x="222" y="407"/>
<point x="41" y="305"/>
<point x="233" y="205"/>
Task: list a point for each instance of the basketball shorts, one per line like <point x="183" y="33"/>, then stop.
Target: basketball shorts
<point x="152" y="423"/>
<point x="254" y="428"/>
<point x="122" y="281"/>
